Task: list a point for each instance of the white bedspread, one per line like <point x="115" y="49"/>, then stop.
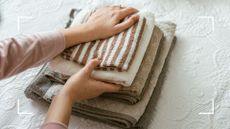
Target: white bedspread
<point x="198" y="75"/>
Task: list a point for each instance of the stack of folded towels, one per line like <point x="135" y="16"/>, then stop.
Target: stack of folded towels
<point x="134" y="58"/>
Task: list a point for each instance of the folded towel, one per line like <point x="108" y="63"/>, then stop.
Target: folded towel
<point x="132" y="94"/>
<point x="124" y="78"/>
<point x="104" y="109"/>
<point x="116" y="52"/>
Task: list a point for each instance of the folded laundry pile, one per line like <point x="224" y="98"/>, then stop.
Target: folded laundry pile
<point x="124" y="108"/>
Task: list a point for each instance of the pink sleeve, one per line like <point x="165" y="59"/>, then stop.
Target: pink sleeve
<point x="54" y="125"/>
<point x="20" y="53"/>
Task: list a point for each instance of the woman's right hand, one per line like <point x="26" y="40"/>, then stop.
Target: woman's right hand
<point x="81" y="85"/>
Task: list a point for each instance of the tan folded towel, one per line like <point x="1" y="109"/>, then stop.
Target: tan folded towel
<point x="104" y="109"/>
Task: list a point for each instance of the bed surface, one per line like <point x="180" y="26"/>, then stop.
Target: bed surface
<point x="196" y="91"/>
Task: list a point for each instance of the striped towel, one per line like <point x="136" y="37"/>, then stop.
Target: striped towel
<point x="115" y="52"/>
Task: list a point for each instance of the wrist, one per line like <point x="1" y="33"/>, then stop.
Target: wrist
<point x="78" y="34"/>
<point x="67" y="95"/>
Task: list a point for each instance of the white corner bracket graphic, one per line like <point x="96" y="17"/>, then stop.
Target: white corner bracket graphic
<point x="18" y="110"/>
<point x="212" y="111"/>
<point x="22" y="18"/>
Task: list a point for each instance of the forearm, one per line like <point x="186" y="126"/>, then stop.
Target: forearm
<point x="20" y="53"/>
<point x="60" y="109"/>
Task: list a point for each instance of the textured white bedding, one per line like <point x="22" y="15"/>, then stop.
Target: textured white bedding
<point x="198" y="72"/>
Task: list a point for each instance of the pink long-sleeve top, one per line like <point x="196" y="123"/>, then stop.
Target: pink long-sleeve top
<point x="20" y="53"/>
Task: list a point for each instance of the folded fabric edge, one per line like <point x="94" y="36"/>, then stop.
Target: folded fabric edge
<point x="130" y="97"/>
<point x="143" y="122"/>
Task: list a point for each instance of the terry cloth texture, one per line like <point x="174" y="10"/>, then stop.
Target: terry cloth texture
<point x="132" y="94"/>
<point x="124" y="78"/>
<point x="116" y="52"/>
<point x="104" y="109"/>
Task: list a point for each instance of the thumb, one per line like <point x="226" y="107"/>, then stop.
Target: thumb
<point x="88" y="69"/>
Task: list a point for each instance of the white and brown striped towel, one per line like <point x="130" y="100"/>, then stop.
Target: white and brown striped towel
<point x="116" y="52"/>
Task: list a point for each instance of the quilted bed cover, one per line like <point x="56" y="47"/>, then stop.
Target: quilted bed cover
<point x="196" y="91"/>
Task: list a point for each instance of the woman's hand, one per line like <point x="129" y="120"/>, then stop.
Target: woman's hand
<point x="108" y="21"/>
<point x="81" y="86"/>
<point x="103" y="23"/>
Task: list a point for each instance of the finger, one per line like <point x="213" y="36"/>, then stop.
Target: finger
<point x="126" y="24"/>
<point x="126" y="12"/>
<point x="91" y="66"/>
<point x="116" y="6"/>
<point x="107" y="87"/>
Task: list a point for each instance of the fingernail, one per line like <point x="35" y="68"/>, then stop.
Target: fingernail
<point x="137" y="17"/>
<point x="99" y="60"/>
